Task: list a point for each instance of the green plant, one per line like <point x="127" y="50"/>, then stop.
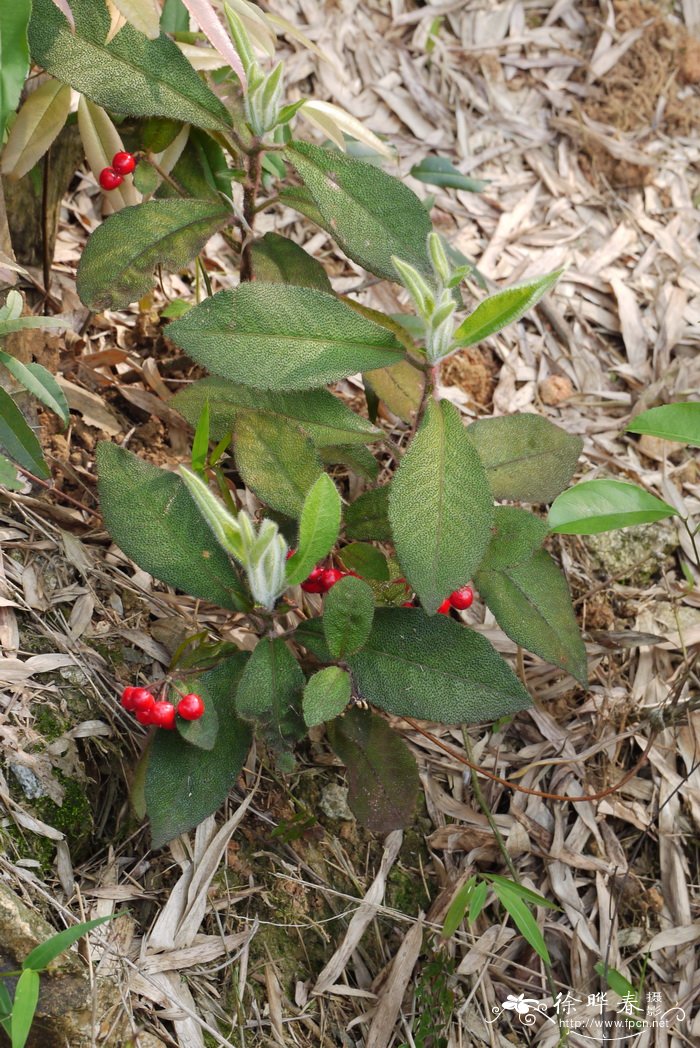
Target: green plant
<point x="17" y="437"/>
<point x="17" y="1010"/>
<point x="265" y="421"/>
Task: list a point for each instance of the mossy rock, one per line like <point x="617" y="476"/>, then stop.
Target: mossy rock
<point x="633" y="555"/>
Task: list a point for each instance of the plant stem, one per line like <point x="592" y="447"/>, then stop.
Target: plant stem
<point x="250" y="194"/>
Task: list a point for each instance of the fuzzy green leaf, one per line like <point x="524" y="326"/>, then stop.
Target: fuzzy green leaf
<point x="17" y="438"/>
<point x="532" y="604"/>
<point x="370" y="214"/>
<point x="281" y="337"/>
<point x="440" y="507"/>
<point x="185" y="784"/>
<point x="605" y="505"/>
<point x="527" y="457"/>
<point x="356" y="459"/>
<point x="325" y="418"/>
<point x="367" y="561"/>
<point x="131" y="74"/>
<point x="318" y="529"/>
<point x="678" y="422"/>
<point x="517" y="535"/>
<point x="154" y="520"/>
<point x="117" y="265"/>
<point x="347" y="616"/>
<point x="503" y="308"/>
<point x="278" y="260"/>
<point x="269" y="693"/>
<point x="382" y="773"/>
<point x="326" y="695"/>
<point x="435" y="669"/>
<point x="276" y="460"/>
<point x="368" y="516"/>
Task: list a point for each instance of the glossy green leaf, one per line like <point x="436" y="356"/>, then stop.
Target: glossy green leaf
<point x="131" y="74"/>
<point x="534" y="898"/>
<point x="8" y="475"/>
<point x="400" y="387"/>
<point x="318" y="529"/>
<point x="185" y="784"/>
<point x="477" y="901"/>
<point x="441" y="172"/>
<point x="278" y="260"/>
<point x="276" y="460"/>
<point x="325" y="418"/>
<point x="503" y="308"/>
<point x="348" y="612"/>
<point x="5" y="1007"/>
<point x="457" y="908"/>
<point x="617" y="982"/>
<point x="523" y="919"/>
<point x="368" y="516"/>
<point x="435" y="669"/>
<point x="440" y="507"/>
<point x="532" y="605"/>
<point x="14" y="56"/>
<point x="326" y="695"/>
<point x="370" y="214"/>
<point x="175" y="17"/>
<point x="281" y="337"/>
<point x="367" y="561"/>
<point x="152" y="517"/>
<point x="527" y="457"/>
<point x="24" y="1007"/>
<point x="355" y="459"/>
<point x="200" y="443"/>
<point x="269" y="693"/>
<point x="679" y="422"/>
<point x="42" y="955"/>
<point x="39" y="122"/>
<point x="605" y="505"/>
<point x="40" y="382"/>
<point x="382" y="773"/>
<point x="120" y="257"/>
<point x="17" y="438"/>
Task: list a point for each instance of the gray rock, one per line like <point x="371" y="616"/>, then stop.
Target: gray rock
<point x="633" y="555"/>
<point x="334" y="802"/>
<point x="64" y="1014"/>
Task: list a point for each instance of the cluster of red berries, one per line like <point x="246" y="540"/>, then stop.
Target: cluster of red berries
<point x="322" y="579"/>
<point x="122" y="164"/>
<point x="160" y="714"/>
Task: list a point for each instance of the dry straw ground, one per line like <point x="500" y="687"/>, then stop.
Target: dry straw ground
<point x="275" y="923"/>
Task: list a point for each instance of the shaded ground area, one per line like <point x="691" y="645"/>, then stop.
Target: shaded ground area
<point x="584" y="119"/>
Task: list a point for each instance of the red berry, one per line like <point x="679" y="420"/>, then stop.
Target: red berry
<point x="109" y="179"/>
<point x="462" y="598"/>
<point x="190" y="707"/>
<point x="163" y="715"/>
<point x="329" y="577"/>
<point x="290" y="553"/>
<point x="145" y="716"/>
<point x="127" y="698"/>
<point x="445" y="607"/>
<point x="407" y="604"/>
<point x="123" y="163"/>
<point x="142" y="699"/>
<point x="313" y="583"/>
